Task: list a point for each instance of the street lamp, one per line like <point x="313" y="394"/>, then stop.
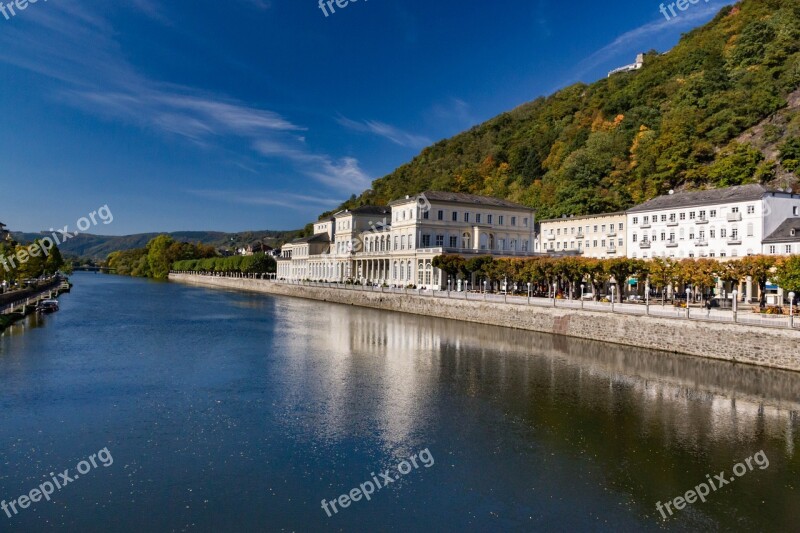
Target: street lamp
<point x="485" y="282"/>
<point x="647" y="297"/>
<point x="734" y="295"/>
<point x="583" y="286"/>
<point x="555" y="293"/>
<point x="688" y="296"/>
<point x="529" y="293"/>
<point x="613" y="299"/>
<point x="791" y="310"/>
<point x="448" y="286"/>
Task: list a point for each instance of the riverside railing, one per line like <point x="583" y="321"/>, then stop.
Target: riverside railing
<point x="654" y="309"/>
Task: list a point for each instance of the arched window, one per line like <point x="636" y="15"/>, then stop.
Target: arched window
<point x="465" y="238"/>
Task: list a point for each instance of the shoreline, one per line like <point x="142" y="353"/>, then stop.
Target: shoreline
<point x="736" y="343"/>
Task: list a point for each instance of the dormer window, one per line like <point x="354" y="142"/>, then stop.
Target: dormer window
<point x="793" y="232"/>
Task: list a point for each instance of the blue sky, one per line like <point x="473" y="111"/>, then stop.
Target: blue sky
<point x="261" y="114"/>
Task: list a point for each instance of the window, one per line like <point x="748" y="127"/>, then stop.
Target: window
<point x="751" y="210"/>
<point x="692" y="215"/>
<point x="402" y="242"/>
<point x="635" y="238"/>
<point x="796" y="211"/>
<point x="525" y="246"/>
<point x="682" y="216"/>
<point x="788" y="249"/>
<point x="723" y="254"/>
<point x="426" y="215"/>
<point x="603" y="228"/>
<point x="635" y="220"/>
<point x="594" y="244"/>
<point x="441" y="215"/>
<point x="712" y="233"/>
<point x="702" y="235"/>
<point x="588" y="244"/>
<point x="713" y="214"/>
<point x="558" y="231"/>
<point x="477" y="218"/>
<point x="691" y="236"/>
<point x="734" y="210"/>
<point x="455" y="216"/>
<point x="663" y="218"/>
<point x="595" y="229"/>
<point x="525" y="222"/>
<point x="646" y="220"/>
<point x="621" y="243"/>
<point x="702" y="215"/>
<point x="572" y="231"/>
<point x="621" y="226"/>
<point x="466" y="217"/>
<point x="750" y="229"/>
<point x="558" y="246"/>
<point x="396" y="240"/>
<point x="663" y="236"/>
<point x="723" y="233"/>
<point x="772" y="249"/>
<point x="734" y="233"/>
<point x="513" y="221"/>
<point x="671" y="236"/>
<point x="501" y="219"/>
<point x="440" y="240"/>
<point x="453" y="241"/>
<point x="489" y="219"/>
<point x="426" y="241"/>
<point x="672" y="217"/>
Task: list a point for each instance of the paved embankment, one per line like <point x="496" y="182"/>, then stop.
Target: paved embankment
<point x="776" y="348"/>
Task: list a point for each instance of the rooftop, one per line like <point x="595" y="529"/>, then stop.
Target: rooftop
<point x="365" y="210"/>
<point x="789" y="231"/>
<point x="464" y="198"/>
<point x="740" y="193"/>
<point x="583" y="217"/>
<point x="319" y="237"/>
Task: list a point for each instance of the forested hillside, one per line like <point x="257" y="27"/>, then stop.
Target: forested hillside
<point x="712" y="112"/>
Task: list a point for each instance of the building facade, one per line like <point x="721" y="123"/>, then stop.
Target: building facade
<point x="596" y="236"/>
<point x="785" y="240"/>
<point x="720" y="223"/>
<point x="395" y="245"/>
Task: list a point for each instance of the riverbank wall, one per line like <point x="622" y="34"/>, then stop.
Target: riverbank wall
<point x="767" y="347"/>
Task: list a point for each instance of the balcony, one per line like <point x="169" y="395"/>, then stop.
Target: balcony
<point x="645" y="225"/>
<point x="734" y="217"/>
<point x="644" y="245"/>
<point x="701" y="221"/>
<point x="611" y="233"/>
<point x="734" y="241"/>
<point x="551" y="237"/>
<point x="672" y="223"/>
<point x="672" y="244"/>
<point x="611" y="251"/>
<point x="701" y="242"/>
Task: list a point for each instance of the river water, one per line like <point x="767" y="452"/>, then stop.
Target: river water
<point x="226" y="411"/>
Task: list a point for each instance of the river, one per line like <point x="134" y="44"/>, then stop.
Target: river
<point x="226" y="411"/>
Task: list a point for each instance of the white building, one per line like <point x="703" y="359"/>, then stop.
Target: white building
<point x="785" y="240"/>
<point x="396" y="245"/>
<point x="731" y="222"/>
<point x="595" y="236"/>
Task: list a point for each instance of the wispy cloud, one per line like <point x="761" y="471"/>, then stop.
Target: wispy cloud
<point x="76" y="46"/>
<point x="387" y="131"/>
<point x="298" y="202"/>
<point x="636" y="40"/>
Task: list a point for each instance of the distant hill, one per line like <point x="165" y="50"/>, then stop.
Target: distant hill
<point x="719" y="109"/>
<point x="98" y="247"/>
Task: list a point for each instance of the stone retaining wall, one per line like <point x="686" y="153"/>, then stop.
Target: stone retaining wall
<point x="776" y="348"/>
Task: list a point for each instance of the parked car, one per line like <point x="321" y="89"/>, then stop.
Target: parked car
<point x="588" y="296"/>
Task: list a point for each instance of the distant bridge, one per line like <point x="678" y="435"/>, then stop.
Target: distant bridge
<point x="92" y="269"/>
